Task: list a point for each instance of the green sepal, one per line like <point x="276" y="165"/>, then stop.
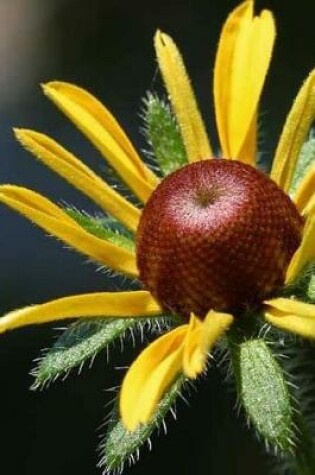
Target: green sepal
<point x="311" y="289"/>
<point x="163" y="135"/>
<point x="120" y="445"/>
<point x="79" y="343"/>
<point x="104" y="228"/>
<point x="303" y="288"/>
<point x="85" y="338"/>
<point x="263" y="392"/>
<point x="305" y="160"/>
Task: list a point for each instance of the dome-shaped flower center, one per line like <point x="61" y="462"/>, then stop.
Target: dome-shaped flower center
<point x="216" y="234"/>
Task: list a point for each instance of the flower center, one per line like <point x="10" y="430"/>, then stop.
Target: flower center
<point x="216" y="234"/>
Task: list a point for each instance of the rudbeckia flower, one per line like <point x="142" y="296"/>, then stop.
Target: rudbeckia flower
<point x="216" y="240"/>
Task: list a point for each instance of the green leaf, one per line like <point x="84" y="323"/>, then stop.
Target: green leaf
<point x="163" y="135"/>
<point x="311" y="289"/>
<point x="104" y="228"/>
<point x="263" y="392"/>
<point x="121" y="445"/>
<point x="85" y="338"/>
<point x="80" y="342"/>
<point x="305" y="160"/>
<point x="303" y="288"/>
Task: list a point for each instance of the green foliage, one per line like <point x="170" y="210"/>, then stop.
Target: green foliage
<point x="104" y="228"/>
<point x="263" y="392"/>
<point x="305" y="160"/>
<point x="79" y="343"/>
<point x="85" y="338"/>
<point x="311" y="289"/>
<point x="303" y="288"/>
<point x="163" y="135"/>
<point x="121" y="445"/>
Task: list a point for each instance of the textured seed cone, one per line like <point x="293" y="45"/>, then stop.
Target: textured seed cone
<point x="216" y="234"/>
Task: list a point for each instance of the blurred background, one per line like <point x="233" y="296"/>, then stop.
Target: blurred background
<point x="106" y="47"/>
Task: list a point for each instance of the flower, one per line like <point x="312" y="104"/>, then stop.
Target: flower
<point x="242" y="62"/>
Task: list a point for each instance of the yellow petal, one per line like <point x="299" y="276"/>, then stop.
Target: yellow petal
<point x="241" y="65"/>
<point x="149" y="376"/>
<point x="296" y="128"/>
<point x="306" y="191"/>
<point x="214" y="326"/>
<point x="182" y="98"/>
<point x="306" y="251"/>
<point x="292" y="316"/>
<point x="52" y="219"/>
<point x="102" y="129"/>
<point x="193" y="358"/>
<point x="33" y="200"/>
<point x="79" y="175"/>
<point x="183" y="349"/>
<point x="309" y="208"/>
<point x="248" y="152"/>
<point x="98" y="304"/>
<point x="201" y="337"/>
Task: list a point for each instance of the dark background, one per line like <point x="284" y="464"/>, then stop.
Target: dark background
<point x="106" y="46"/>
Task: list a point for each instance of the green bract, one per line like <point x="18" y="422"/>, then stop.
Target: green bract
<point x="263" y="391"/>
<point x="120" y="445"/>
<point x="163" y="135"/>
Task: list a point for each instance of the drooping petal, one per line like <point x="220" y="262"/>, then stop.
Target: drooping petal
<point x="184" y="350"/>
<point x="200" y="338"/>
<point x="306" y="251"/>
<point x="182" y="98"/>
<point x="292" y="316"/>
<point x="102" y="129"/>
<point x="54" y="220"/>
<point x="98" y="304"/>
<point x="305" y="192"/>
<point x="241" y="65"/>
<point x="214" y="326"/>
<point x="149" y="376"/>
<point x="79" y="175"/>
<point x="193" y="358"/>
<point x="296" y="128"/>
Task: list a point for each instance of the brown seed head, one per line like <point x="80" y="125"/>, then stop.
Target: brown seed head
<point x="216" y="234"/>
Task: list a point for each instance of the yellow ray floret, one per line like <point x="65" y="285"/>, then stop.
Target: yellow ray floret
<point x="248" y="152"/>
<point x="201" y="337"/>
<point x="102" y="129"/>
<point x="241" y="65"/>
<point x="306" y="252"/>
<point x="292" y="316"/>
<point x="53" y="219"/>
<point x="181" y="350"/>
<point x="79" y="175"/>
<point x="296" y="128"/>
<point x="193" y="355"/>
<point x="149" y="376"/>
<point x="306" y="192"/>
<point x="182" y="98"/>
<point x="98" y="304"/>
<point x="309" y="207"/>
